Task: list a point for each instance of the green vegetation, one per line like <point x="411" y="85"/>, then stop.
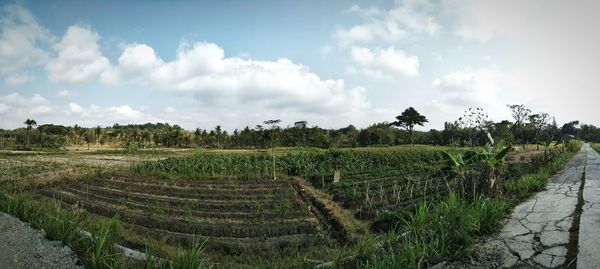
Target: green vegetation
<point x="97" y="250"/>
<point x="286" y="206"/>
<point x="352" y="163"/>
<point x="446" y="228"/>
<point x="434" y="231"/>
<point x="596" y="147"/>
<point x="469" y="130"/>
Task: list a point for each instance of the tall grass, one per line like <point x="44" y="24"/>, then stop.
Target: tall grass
<point x="434" y="231"/>
<point x="447" y="229"/>
<point x="101" y="252"/>
<point x="98" y="249"/>
<point x="63" y="225"/>
<point x="522" y="187"/>
<point x="596" y="146"/>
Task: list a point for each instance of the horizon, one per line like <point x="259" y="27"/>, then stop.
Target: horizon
<point x="334" y="64"/>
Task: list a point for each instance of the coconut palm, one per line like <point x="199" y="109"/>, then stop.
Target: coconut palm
<point x="30" y="123"/>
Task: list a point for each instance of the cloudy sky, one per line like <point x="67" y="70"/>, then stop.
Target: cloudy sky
<point x="331" y="63"/>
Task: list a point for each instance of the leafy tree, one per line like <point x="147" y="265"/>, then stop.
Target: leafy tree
<point x="408" y="119"/>
<point x="98" y="132"/>
<point x="539" y="122"/>
<point x="520" y="113"/>
<point x="570" y="128"/>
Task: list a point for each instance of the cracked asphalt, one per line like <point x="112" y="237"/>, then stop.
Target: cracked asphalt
<point x="539" y="232"/>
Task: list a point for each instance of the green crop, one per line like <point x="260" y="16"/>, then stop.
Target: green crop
<point x="353" y="164"/>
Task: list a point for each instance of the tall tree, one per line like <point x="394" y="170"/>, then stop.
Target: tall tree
<point x="520" y="113"/>
<point x="29" y="123"/>
<point x="408" y="119"/>
<point x="474" y="122"/>
<point x="539" y="122"/>
<point x="98" y="132"/>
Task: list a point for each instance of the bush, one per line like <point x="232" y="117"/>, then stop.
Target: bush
<point x="574" y="146"/>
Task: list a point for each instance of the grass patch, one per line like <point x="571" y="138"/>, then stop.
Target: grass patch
<point x="596" y="147"/>
<point x="97" y="250"/>
<point x="447" y="229"/>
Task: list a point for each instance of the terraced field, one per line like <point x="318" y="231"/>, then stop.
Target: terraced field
<point x="366" y="195"/>
<point x="234" y="216"/>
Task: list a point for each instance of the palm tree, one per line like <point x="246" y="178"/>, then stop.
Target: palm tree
<point x="218" y="134"/>
<point x="408" y="119"/>
<point x="97" y="132"/>
<point x="30" y="123"/>
<point x="273" y="124"/>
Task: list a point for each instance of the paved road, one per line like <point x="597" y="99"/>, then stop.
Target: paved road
<point x="24" y="247"/>
<point x="537" y="233"/>
<point x="589" y="228"/>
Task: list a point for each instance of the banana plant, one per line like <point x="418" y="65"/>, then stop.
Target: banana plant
<point x="546" y="144"/>
<point x="492" y="155"/>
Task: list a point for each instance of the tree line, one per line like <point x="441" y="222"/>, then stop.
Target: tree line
<point x="469" y="130"/>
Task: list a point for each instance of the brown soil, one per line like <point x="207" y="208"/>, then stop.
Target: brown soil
<point x="166" y="201"/>
<point x="223" y="229"/>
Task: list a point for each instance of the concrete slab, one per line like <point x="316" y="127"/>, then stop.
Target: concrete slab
<point x="541" y="224"/>
<point x="589" y="226"/>
<point x="552" y="238"/>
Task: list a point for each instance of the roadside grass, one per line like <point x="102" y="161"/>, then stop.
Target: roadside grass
<point x="446" y="229"/>
<point x="96" y="248"/>
<point x="596" y="147"/>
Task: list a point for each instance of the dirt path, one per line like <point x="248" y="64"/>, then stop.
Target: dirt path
<point x="24" y="247"/>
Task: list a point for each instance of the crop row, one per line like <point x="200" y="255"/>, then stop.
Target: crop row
<point x="293" y="164"/>
<point x="233" y="217"/>
<point x="182" y="225"/>
<point x="367" y="197"/>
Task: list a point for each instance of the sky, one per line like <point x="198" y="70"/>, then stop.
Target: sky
<point x="199" y="64"/>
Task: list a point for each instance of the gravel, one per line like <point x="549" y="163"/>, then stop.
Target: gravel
<point x="24" y="247"/>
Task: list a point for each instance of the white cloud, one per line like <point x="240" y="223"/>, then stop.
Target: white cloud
<point x="136" y="62"/>
<point x="203" y="70"/>
<point x="79" y="57"/>
<point x="384" y="63"/>
<point x="3" y="108"/>
<point x="109" y="115"/>
<point x="471" y="87"/>
<point x="18" y="79"/>
<point x="406" y="18"/>
<point x="17" y="106"/>
<point x="64" y="93"/>
<point x="20" y="38"/>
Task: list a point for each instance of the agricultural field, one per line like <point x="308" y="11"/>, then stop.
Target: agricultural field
<point x="231" y="216"/>
<point x="230" y="202"/>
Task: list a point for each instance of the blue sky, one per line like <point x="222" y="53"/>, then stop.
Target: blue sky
<point x="332" y="63"/>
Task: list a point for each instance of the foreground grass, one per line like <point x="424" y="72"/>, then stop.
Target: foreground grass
<point x="596" y="147"/>
<point x="97" y="249"/>
<point x="430" y="232"/>
<point x="447" y="229"/>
